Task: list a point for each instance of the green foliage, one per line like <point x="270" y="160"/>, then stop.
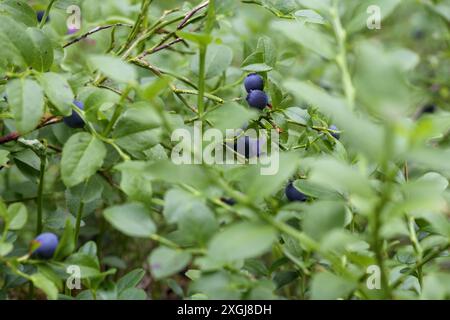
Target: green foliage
<point x="137" y="226"/>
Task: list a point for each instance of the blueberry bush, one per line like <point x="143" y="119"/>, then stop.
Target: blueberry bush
<point x="93" y="206"/>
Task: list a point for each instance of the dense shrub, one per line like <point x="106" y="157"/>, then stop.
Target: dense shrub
<point x="359" y="205"/>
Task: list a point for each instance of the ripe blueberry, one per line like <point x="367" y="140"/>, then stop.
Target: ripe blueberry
<point x="248" y="147"/>
<point x="293" y="194"/>
<point x="257" y="99"/>
<point x="74" y="120"/>
<point x="40" y="15"/>
<point x="228" y="201"/>
<point x="430" y="108"/>
<point x="336" y="135"/>
<point x="254" y="82"/>
<point x="49" y="242"/>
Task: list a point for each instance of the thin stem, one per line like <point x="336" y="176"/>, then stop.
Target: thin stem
<point x="201" y="80"/>
<point x="46" y="13"/>
<point x="190" y="14"/>
<point x="197" y="92"/>
<point x="341" y="58"/>
<point x="137" y="25"/>
<point x="78" y="222"/>
<point x="117" y="112"/>
<point x="436" y="252"/>
<point x="39" y="223"/>
<point x="169" y="243"/>
<point x="95" y="30"/>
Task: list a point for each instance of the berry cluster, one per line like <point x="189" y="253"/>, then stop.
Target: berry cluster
<point x="256" y="98"/>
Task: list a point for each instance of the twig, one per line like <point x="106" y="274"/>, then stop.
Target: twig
<point x="16" y="135"/>
<point x="161" y="47"/>
<point x="96" y="29"/>
<point x="191" y="13"/>
<point x="114" y="90"/>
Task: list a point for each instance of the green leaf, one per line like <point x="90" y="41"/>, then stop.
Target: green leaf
<point x="308" y="36"/>
<point x="309" y="16"/>
<point x="327" y="286"/>
<point x="322" y="217"/>
<point x="4" y="157"/>
<point x="18" y="216"/>
<point x="67" y="242"/>
<point x="45" y="284"/>
<point x="82" y="156"/>
<point x="5" y="248"/>
<point x="58" y="91"/>
<point x="165" y="262"/>
<point x="218" y="59"/>
<point x="19" y="11"/>
<point x="130" y="280"/>
<point x="132" y="294"/>
<point x="136" y="186"/>
<point x="223" y="117"/>
<point x="314" y="190"/>
<point x="199" y="38"/>
<point x="132" y="219"/>
<point x="138" y="128"/>
<point x="268" y="50"/>
<point x="26" y="101"/>
<point x="196" y="222"/>
<point x="44" y="47"/>
<point x="114" y="68"/>
<point x="89" y="265"/>
<point x="241" y="241"/>
<point x="259" y="185"/>
<point x="257" y="67"/>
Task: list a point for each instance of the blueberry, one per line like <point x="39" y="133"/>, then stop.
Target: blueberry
<point x="75" y="121"/>
<point x="257" y="99"/>
<point x="429" y="108"/>
<point x="248" y="147"/>
<point x="228" y="201"/>
<point x="49" y="242"/>
<point x="293" y="194"/>
<point x="254" y="82"/>
<point x="336" y="135"/>
<point x="40" y="15"/>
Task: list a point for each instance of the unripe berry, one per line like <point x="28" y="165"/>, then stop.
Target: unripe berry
<point x="254" y="82"/>
<point x="257" y="99"/>
<point x="293" y="194"/>
<point x="74" y="120"/>
<point x="48" y="244"/>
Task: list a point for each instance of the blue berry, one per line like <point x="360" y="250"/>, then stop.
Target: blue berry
<point x="74" y="120"/>
<point x="254" y="82"/>
<point x="49" y="242"/>
<point x="40" y="15"/>
<point x="257" y="99"/>
<point x="228" y="201"/>
<point x="429" y="108"/>
<point x="336" y="135"/>
<point x="293" y="194"/>
<point x="248" y="147"/>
